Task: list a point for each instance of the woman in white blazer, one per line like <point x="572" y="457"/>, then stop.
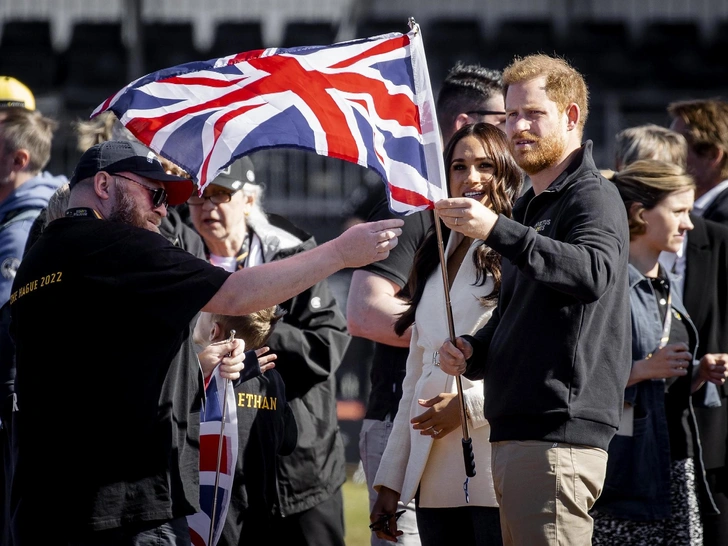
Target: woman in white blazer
<point x="424" y="455"/>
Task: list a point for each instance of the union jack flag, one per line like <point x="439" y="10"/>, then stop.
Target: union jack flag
<point x="210" y="424"/>
<point x="367" y="101"/>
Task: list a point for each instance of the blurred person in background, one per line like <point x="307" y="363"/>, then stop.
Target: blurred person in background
<point x="700" y="268"/>
<point x="655" y="466"/>
<point x="704" y="123"/>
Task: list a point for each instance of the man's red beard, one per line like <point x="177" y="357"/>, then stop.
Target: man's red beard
<point x="544" y="153"/>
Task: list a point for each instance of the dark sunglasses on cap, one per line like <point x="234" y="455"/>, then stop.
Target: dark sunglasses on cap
<point x="159" y="195"/>
<point x="216" y="198"/>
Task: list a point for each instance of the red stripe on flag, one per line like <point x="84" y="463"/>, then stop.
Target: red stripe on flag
<point x="378" y="49"/>
<point x="208" y="452"/>
<point x="409" y="197"/>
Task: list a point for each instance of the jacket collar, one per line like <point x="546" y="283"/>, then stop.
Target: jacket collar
<point x="580" y="164"/>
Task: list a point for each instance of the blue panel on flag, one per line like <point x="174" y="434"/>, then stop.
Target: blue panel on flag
<point x="289" y="128"/>
<point x="188" y="138"/>
<point x="396" y="71"/>
<point x="406" y="150"/>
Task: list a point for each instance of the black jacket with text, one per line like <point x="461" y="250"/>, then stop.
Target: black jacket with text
<point x="310" y="341"/>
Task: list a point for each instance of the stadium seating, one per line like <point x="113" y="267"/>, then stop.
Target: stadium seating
<point x="169" y="44"/>
<point x="26" y="53"/>
<point x="236" y="37"/>
<point x="94" y="64"/>
<point x="307" y="33"/>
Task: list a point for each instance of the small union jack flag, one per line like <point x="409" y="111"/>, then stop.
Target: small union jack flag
<point x="210" y="426"/>
<point x="367" y="101"/>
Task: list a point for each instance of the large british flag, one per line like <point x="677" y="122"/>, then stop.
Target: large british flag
<point x="216" y="391"/>
<point x="367" y="101"/>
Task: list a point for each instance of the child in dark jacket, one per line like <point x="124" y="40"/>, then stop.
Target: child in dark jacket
<point x="266" y="426"/>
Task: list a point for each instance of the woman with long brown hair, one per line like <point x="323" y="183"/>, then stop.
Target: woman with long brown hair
<point x="423" y="458"/>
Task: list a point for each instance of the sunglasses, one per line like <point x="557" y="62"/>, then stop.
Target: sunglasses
<point x="159" y="195"/>
<point x="486" y="113"/>
<point x="382" y="523"/>
<point x="216" y="198"/>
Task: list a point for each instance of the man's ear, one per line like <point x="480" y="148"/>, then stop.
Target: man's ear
<point x="462" y="120"/>
<point x="573" y="115"/>
<point x="216" y="332"/>
<point x="21" y="158"/>
<point x="717" y="156"/>
<point x="248" y="203"/>
<point x="102" y="185"/>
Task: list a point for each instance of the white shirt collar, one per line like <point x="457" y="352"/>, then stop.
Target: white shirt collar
<point x="704" y="201"/>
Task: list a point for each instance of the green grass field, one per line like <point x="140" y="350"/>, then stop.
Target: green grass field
<point x="356" y="510"/>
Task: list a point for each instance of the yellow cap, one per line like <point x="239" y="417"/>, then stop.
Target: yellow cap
<point x="15" y="93"/>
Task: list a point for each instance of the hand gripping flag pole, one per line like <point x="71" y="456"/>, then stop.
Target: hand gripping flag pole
<point x="468" y="457"/>
<point x="436" y="169"/>
<point x="219" y="452"/>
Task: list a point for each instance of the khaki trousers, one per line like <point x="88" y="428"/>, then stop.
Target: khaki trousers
<point x="545" y="491"/>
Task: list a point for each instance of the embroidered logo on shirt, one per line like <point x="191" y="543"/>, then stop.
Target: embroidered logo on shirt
<point x="541" y="225"/>
<point x="316" y="302"/>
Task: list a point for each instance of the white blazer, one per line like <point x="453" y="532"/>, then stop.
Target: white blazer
<point x="410" y="459"/>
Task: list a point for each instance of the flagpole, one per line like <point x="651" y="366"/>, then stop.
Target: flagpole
<point x="468" y="457"/>
<point x="219" y="453"/>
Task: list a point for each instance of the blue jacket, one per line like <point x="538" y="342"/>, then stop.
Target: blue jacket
<point x="637" y="485"/>
<point x="32" y="195"/>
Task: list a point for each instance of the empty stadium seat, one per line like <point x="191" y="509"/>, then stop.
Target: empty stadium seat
<point x="233" y="38"/>
<point x="375" y="27"/>
<point x="308" y="33"/>
<point x="27" y="54"/>
<point x="169" y="44"/>
<point x="95" y="64"/>
<point x="522" y="37"/>
<point x="448" y="41"/>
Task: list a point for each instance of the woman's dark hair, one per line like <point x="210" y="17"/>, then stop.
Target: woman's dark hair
<point x="502" y="193"/>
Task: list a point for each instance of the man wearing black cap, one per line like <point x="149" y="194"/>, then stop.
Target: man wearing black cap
<point x="309" y="342"/>
<point x="108" y="391"/>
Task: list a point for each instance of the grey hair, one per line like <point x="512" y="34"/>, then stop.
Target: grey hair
<point x="257" y="218"/>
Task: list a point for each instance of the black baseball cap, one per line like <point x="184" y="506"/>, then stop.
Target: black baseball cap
<point x="236" y="175"/>
<point x="117" y="156"/>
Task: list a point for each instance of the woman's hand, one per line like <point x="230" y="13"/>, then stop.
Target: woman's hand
<point x="442" y="417"/>
<point x="452" y="358"/>
<point x="713" y="368"/>
<point x="467" y="216"/>
<point x="383" y="516"/>
<point x="229" y="354"/>
<point x="670" y="361"/>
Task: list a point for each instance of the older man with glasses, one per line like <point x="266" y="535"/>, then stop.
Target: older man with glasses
<point x="108" y="388"/>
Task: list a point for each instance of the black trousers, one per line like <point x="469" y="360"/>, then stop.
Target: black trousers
<point x="715" y="528"/>
<point x="322" y="525"/>
<point x="476" y="525"/>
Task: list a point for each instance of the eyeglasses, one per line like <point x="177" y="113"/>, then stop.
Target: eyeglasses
<point x="216" y="198"/>
<point x="486" y="113"/>
<point x="159" y="195"/>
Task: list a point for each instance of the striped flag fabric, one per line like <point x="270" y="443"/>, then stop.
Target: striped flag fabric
<point x="210" y="425"/>
<point x="368" y="101"/>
